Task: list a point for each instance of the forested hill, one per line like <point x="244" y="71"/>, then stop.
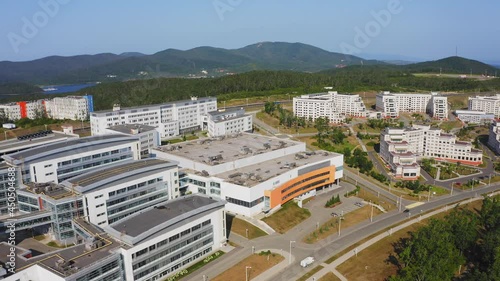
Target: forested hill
<point x="176" y="63"/>
<point x="263" y="83"/>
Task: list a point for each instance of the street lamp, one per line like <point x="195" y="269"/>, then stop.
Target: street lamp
<point x="371" y="215"/>
<point x="246" y="232"/>
<point x="451" y="193"/>
<point x="290" y="253"/>
<point x="429" y="197"/>
<point x="246" y="272"/>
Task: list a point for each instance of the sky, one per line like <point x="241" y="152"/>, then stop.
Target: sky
<point x="381" y="29"/>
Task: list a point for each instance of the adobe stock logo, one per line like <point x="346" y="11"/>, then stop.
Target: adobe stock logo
<point x="223" y="6"/>
<point x="363" y="37"/>
<point x="31" y="26"/>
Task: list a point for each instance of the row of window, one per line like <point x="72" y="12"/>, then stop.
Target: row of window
<point x="170" y="239"/>
<point x="245" y="203"/>
<point x="284" y="190"/>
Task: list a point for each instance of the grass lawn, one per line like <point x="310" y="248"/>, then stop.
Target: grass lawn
<point x="332" y="225"/>
<point x="464" y="171"/>
<point x="172" y="141"/>
<point x="39" y="237"/>
<point x="310" y="273"/>
<point x="438" y="190"/>
<point x="449" y="125"/>
<point x="259" y="264"/>
<point x="370" y="264"/>
<point x="56" y="245"/>
<point x="240" y="227"/>
<point x="369" y="196"/>
<point x="183" y="273"/>
<point x="329" y="277"/>
<point x="287" y="217"/>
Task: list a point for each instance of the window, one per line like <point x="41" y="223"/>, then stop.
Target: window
<point x="99" y="196"/>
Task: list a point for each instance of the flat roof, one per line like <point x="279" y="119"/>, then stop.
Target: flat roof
<point x="49" y="189"/>
<point x="77" y="256"/>
<point x="165" y="216"/>
<point x="214" y="151"/>
<point x="14" y="144"/>
<point x="67" y="147"/>
<point x="130" y="128"/>
<point x="122" y="172"/>
<point x="252" y="175"/>
<point x="201" y="99"/>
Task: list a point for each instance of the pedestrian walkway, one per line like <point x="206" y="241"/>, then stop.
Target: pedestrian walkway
<point x="258" y="223"/>
<point x="268" y="274"/>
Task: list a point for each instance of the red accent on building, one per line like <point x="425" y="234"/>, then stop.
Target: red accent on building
<point x="24" y="111"/>
<point x="40" y="203"/>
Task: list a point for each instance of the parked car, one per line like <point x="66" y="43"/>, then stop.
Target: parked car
<point x="335" y="214"/>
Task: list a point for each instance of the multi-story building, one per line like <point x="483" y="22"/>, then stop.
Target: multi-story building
<point x="102" y="197"/>
<point x="253" y="173"/>
<point x="153" y="243"/>
<point x="171" y="119"/>
<point x="23" y="109"/>
<point x="402" y="147"/>
<point x="70" y="107"/>
<point x="475" y="117"/>
<point x="148" y="135"/>
<point x="227" y="122"/>
<point x="391" y="104"/>
<point x="59" y="161"/>
<point x="333" y="105"/>
<point x="494" y="136"/>
<point x="487" y="104"/>
<point x="169" y="237"/>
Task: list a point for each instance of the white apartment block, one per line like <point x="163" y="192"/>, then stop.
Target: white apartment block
<point x="494" y="136"/>
<point x="70" y="107"/>
<point x="23" y="109"/>
<point x="228" y="122"/>
<point x="390" y="104"/>
<point x="487" y="104"/>
<point x="170" y="119"/>
<point x="333" y="105"/>
<point x="401" y="148"/>
<point x="475" y="117"/>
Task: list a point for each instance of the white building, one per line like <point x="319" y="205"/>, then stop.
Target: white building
<point x="227" y="122"/>
<point x="171" y="119"/>
<point x="70" y="107"/>
<point x="333" y="105"/>
<point x="494" y="136"/>
<point x="391" y="104"/>
<point x="401" y="148"/>
<point x="148" y="135"/>
<point x="253" y="173"/>
<point x="167" y="238"/>
<point x="487" y="104"/>
<point x="473" y="116"/>
<point x="23" y="109"/>
<point x="59" y="161"/>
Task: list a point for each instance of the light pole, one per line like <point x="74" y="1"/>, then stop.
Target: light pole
<point x="340" y="222"/>
<point x="489" y="180"/>
<point x="246" y="232"/>
<point x="472" y="183"/>
<point x="246" y="272"/>
<point x="451" y="193"/>
<point x="371" y="215"/>
<point x="224" y="105"/>
<point x="429" y="197"/>
<point x="290" y="253"/>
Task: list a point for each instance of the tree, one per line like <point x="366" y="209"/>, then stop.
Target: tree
<point x="430" y="254"/>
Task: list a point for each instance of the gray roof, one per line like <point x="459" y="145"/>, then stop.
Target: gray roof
<point x="166" y="216"/>
<point x="12" y="145"/>
<point x="155" y="106"/>
<point x="127" y="128"/>
<point x="226" y="149"/>
<point x="118" y="173"/>
<point x="66" y="148"/>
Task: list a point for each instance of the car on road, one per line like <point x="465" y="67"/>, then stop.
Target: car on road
<point x="335" y="215"/>
<point x="359" y="204"/>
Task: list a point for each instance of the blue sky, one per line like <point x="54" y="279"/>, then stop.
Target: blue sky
<point x="416" y="30"/>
